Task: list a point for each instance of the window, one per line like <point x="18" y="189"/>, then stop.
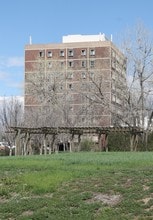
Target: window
<point x="49" y="54"/>
<point x="113" y="54"/>
<point x="92" y="63"/>
<point x="92" y="52"/>
<point x="83" y="63"/>
<point x="70" y="53"/>
<point x="70" y="75"/>
<point x="113" y="64"/>
<point x="49" y="65"/>
<point x="83" y="119"/>
<point x="83" y="52"/>
<point x="70" y="63"/>
<point x="62" y="64"/>
<point x="91" y="75"/>
<point x="70" y="86"/>
<point x="118" y="101"/>
<point x="83" y="75"/>
<point x="84" y="108"/>
<point x="47" y="79"/>
<point x="49" y="88"/>
<point x="113" y="84"/>
<point x="113" y="98"/>
<point x="84" y="88"/>
<point x="60" y="87"/>
<point x="62" y="53"/>
<point x="41" y="53"/>
<point x="71" y="108"/>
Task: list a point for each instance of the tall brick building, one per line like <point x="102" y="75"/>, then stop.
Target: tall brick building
<point x="79" y="82"/>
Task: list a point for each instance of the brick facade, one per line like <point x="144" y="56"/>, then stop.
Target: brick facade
<point x="89" y="78"/>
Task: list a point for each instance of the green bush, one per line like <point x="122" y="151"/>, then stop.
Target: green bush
<point x="119" y="142"/>
<point x="150" y="142"/>
<point x="4" y="152"/>
<point x="87" y="145"/>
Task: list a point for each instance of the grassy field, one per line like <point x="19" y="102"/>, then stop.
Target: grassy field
<point x="77" y="186"/>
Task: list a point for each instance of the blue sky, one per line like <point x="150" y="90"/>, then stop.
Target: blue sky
<point x="48" y="20"/>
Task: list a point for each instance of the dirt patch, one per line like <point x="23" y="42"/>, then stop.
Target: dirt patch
<point x="27" y="213"/>
<point x="128" y="183"/>
<point x="145" y="188"/>
<point x="19" y="197"/>
<point x="146" y="201"/>
<point x="3" y="200"/>
<point x="105" y="198"/>
<point x="49" y="195"/>
<point x="149" y="209"/>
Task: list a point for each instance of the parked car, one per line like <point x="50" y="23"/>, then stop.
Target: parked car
<point x="3" y="145"/>
<point x="4" y="148"/>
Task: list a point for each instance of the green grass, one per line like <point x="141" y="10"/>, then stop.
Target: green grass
<point x="77" y="186"/>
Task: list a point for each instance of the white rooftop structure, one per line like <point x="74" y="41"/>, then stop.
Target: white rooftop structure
<point x="83" y="38"/>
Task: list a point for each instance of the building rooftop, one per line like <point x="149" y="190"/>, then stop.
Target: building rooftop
<point x="77" y="40"/>
<point x="83" y="38"/>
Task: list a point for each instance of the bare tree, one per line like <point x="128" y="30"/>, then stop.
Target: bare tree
<point x="139" y="51"/>
<point x="106" y="91"/>
<point x="51" y="93"/>
<point x="11" y="115"/>
<point x="42" y="92"/>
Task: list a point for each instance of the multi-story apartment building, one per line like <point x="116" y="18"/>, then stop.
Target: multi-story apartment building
<point x="79" y="82"/>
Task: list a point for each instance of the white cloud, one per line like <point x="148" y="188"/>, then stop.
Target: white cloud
<point x="20" y="98"/>
<point x="7" y="62"/>
<point x="15" y="61"/>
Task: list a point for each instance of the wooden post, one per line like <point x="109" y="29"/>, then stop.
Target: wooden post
<point x="30" y="150"/>
<point x="106" y="142"/>
<point x="45" y="146"/>
<point x="50" y="147"/>
<point x="69" y="145"/>
<point x="79" y="141"/>
<point x="27" y="139"/>
<point x="56" y="148"/>
<point x="41" y="145"/>
<point x="72" y="143"/>
<point x="133" y="142"/>
<point x="17" y="143"/>
<point x="103" y="142"/>
<point x="10" y="153"/>
<point x="99" y="141"/>
<point x="52" y="144"/>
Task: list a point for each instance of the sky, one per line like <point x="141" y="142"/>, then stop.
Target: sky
<point x="46" y="21"/>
